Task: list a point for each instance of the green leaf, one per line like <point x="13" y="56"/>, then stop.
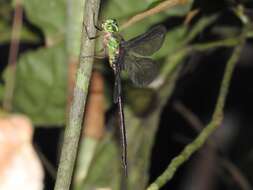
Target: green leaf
<point x="40" y="89"/>
<point x="140" y="100"/>
<point x="6" y="14"/>
<point x="106" y="152"/>
<point x="5" y="10"/>
<point x="25" y="35"/>
<point x="47" y="15"/>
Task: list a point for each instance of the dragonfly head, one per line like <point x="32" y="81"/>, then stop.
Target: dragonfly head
<point x="110" y="25"/>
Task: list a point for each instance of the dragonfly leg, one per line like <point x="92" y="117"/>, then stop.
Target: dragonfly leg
<point x="99" y="29"/>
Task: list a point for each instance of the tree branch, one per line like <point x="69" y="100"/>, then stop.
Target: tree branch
<point x="74" y="125"/>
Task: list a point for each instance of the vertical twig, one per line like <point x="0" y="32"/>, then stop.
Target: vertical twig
<point x="74" y="125"/>
<point x="73" y="34"/>
<point x="13" y="53"/>
<point x="215" y="122"/>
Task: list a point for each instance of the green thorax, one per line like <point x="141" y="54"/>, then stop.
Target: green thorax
<point x="112" y="39"/>
<point x="113" y="46"/>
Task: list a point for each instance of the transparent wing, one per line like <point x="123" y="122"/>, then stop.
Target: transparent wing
<point x="147" y="43"/>
<point x="141" y="70"/>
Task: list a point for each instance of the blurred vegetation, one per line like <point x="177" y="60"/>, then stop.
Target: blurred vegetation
<point x="42" y="73"/>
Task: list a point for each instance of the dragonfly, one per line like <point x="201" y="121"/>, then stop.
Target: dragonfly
<point x="132" y="56"/>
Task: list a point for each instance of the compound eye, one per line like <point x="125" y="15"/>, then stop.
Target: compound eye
<point x="114" y="28"/>
<point x="114" y="21"/>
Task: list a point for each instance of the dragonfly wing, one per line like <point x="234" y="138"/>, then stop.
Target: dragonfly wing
<point x="147" y="43"/>
<point x="141" y="70"/>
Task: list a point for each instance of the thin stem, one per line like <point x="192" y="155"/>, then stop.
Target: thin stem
<point x="188" y="115"/>
<point x="236" y="174"/>
<point x="230" y="42"/>
<point x="14" y="46"/>
<point x="190" y="16"/>
<point x="74" y="125"/>
<point x="160" y="7"/>
<point x="47" y="164"/>
<point x="234" y="171"/>
<point x="208" y="130"/>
